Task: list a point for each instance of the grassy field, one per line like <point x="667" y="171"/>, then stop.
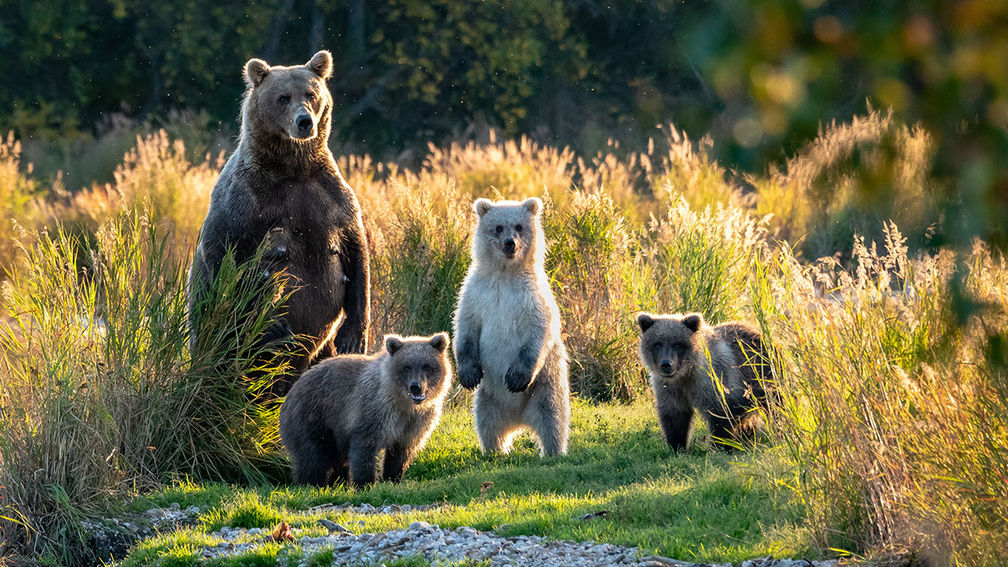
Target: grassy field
<point x="700" y="505"/>
<point x="889" y="437"/>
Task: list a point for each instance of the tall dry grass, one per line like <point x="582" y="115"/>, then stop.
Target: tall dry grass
<point x="891" y="366"/>
<point x="851" y="180"/>
<point x="20" y="202"/>
<point x="893" y="405"/>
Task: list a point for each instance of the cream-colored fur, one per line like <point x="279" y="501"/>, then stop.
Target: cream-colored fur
<point x="507" y="329"/>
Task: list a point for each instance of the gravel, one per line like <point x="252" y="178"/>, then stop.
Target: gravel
<point x="435" y="544"/>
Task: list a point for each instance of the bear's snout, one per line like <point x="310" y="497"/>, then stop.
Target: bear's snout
<point x="305" y="125"/>
<point x="416" y="392"/>
<point x="509" y="248"/>
<point x="666" y="366"/>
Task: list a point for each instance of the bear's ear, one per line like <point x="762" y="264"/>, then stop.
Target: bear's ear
<point x="533" y="204"/>
<point x="645" y="321"/>
<point x="481" y="206"/>
<point x="255" y="71"/>
<point x="439" y="341"/>
<point x="321" y="64"/>
<point x="693" y="321"/>
<point x="393" y="343"/>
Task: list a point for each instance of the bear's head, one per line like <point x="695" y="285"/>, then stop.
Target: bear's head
<point x="290" y="103"/>
<point x="508" y="233"/>
<point x="669" y="343"/>
<point x="418" y="369"/>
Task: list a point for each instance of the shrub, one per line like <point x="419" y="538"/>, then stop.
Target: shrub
<point x="852" y="179"/>
<point x="589" y="261"/>
<point x="699" y="261"/>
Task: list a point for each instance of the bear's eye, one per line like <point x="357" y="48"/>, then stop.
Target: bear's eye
<point x="283" y="99"/>
<point x="428" y="369"/>
<point x="518" y="228"/>
<point x="406" y="369"/>
<point x="499" y="229"/>
<point x="309" y="96"/>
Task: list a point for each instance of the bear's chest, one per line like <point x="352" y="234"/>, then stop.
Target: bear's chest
<point x="511" y="315"/>
<point x="309" y="219"/>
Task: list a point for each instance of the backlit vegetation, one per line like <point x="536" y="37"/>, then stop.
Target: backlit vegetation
<point x="891" y="428"/>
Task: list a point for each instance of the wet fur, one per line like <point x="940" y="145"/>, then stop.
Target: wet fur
<point x="274" y="182"/>
<point x="507" y="333"/>
<point x="343" y="411"/>
<point x="694" y="352"/>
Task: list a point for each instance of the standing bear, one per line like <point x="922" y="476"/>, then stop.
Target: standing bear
<point x="344" y="410"/>
<point x="718" y="370"/>
<point x="507" y="332"/>
<point x="282" y="181"/>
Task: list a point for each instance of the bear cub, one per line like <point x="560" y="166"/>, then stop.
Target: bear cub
<point x="683" y="356"/>
<point x="507" y="332"/>
<point x="343" y="411"/>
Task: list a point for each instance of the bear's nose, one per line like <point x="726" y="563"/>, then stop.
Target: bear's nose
<point x="414" y="389"/>
<point x="666" y="366"/>
<point x="509" y="245"/>
<point x="304" y="124"/>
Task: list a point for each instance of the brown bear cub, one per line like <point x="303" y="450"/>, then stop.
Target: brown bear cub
<point x="719" y="371"/>
<point x="344" y="410"/>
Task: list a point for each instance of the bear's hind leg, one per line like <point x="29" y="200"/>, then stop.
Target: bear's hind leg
<point x="722" y="431"/>
<point x="495" y="427"/>
<point x="548" y="415"/>
<point x="395" y="463"/>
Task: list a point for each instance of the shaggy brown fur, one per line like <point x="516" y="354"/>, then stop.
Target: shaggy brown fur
<point x="718" y="370"/>
<point x="282" y="177"/>
<point x="344" y="410"/>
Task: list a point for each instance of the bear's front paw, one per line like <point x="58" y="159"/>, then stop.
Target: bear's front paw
<point x="517" y="379"/>
<point x="279" y="330"/>
<point x="470" y="375"/>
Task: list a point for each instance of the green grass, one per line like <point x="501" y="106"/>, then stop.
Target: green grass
<point x="700" y="505"/>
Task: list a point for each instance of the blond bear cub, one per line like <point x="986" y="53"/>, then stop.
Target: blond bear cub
<point x="507" y="332"/>
<point x="684" y="356"/>
<point x="344" y="410"/>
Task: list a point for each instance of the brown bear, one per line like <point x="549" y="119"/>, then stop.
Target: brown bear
<point x="282" y="179"/>
<point x="343" y="411"/>
<point x="720" y="371"/>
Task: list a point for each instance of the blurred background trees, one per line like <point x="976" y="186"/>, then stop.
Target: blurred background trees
<point x="761" y="78"/>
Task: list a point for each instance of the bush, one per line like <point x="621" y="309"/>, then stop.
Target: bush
<point x="851" y="180"/>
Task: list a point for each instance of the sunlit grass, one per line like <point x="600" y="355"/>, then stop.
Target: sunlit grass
<point x="662" y="502"/>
